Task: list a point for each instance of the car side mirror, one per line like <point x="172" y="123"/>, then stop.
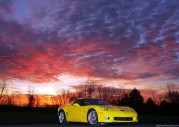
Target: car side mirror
<point x="76" y="104"/>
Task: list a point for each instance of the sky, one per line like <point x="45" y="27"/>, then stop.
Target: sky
<point x="55" y="44"/>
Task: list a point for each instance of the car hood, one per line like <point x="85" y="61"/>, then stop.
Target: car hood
<point x="118" y="108"/>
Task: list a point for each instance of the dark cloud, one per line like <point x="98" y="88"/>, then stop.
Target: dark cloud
<point x="109" y="39"/>
<point x="146" y="75"/>
<point x="6" y="6"/>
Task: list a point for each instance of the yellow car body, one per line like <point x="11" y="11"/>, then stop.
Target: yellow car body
<point x="95" y="111"/>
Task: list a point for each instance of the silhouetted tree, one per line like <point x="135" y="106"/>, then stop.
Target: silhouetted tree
<point x="110" y="94"/>
<point x="150" y="106"/>
<point x="124" y="100"/>
<point x="117" y="94"/>
<point x="133" y="99"/>
<point x="172" y="94"/>
<point x="37" y="101"/>
<point x="63" y="95"/>
<point x="99" y="89"/>
<point x="80" y="94"/>
<point x="163" y="103"/>
<point x="88" y="87"/>
<point x="171" y="103"/>
<point x="136" y="99"/>
<point x="72" y="97"/>
<point x="3" y="87"/>
<point x="150" y="102"/>
<point x="105" y="93"/>
<point x="31" y="99"/>
<point x="17" y="97"/>
<point x="168" y="108"/>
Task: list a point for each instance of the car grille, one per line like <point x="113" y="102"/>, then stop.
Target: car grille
<point x="123" y="118"/>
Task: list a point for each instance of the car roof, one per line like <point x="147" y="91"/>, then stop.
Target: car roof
<point x="86" y="98"/>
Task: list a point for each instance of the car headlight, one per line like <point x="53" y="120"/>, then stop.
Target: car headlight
<point x="131" y="109"/>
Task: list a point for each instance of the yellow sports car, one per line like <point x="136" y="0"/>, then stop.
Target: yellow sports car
<point x="94" y="111"/>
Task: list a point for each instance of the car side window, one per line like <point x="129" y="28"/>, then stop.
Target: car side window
<point x="79" y="101"/>
<point x="75" y="101"/>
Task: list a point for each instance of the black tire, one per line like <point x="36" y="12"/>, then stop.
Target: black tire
<point x="62" y="117"/>
<point x="92" y="117"/>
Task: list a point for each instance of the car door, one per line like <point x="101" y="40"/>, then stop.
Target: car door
<point x="75" y="112"/>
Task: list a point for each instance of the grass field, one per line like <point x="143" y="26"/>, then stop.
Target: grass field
<point x="27" y="117"/>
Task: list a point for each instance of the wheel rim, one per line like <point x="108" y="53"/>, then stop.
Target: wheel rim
<point x="61" y="117"/>
<point x="92" y="117"/>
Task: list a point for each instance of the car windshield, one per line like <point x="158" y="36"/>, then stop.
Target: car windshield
<point x="94" y="102"/>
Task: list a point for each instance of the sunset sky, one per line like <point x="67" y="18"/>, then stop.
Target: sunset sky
<point x="55" y="44"/>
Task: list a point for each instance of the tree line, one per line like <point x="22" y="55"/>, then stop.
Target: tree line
<point x="113" y="95"/>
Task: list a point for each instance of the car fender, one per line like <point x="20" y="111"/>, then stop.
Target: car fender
<point x="64" y="108"/>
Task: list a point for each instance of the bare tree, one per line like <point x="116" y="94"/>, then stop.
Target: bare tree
<point x="17" y="97"/>
<point x="100" y="91"/>
<point x="105" y="93"/>
<point x="110" y="94"/>
<point x="88" y="87"/>
<point x="80" y="94"/>
<point x="31" y="98"/>
<point x="3" y="87"/>
<point x="37" y="99"/>
<point x="10" y="100"/>
<point x="172" y="93"/>
<point x="54" y="100"/>
<point x="72" y="97"/>
<point x="155" y="98"/>
<point x="117" y="94"/>
<point x="63" y="95"/>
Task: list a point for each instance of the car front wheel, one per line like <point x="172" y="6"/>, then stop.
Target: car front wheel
<point x="92" y="117"/>
<point x="62" y="117"/>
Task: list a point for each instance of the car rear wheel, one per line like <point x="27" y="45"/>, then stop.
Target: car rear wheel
<point x="92" y="117"/>
<point x="62" y="117"/>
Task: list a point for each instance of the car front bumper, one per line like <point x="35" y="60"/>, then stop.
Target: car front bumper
<point x="108" y="117"/>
